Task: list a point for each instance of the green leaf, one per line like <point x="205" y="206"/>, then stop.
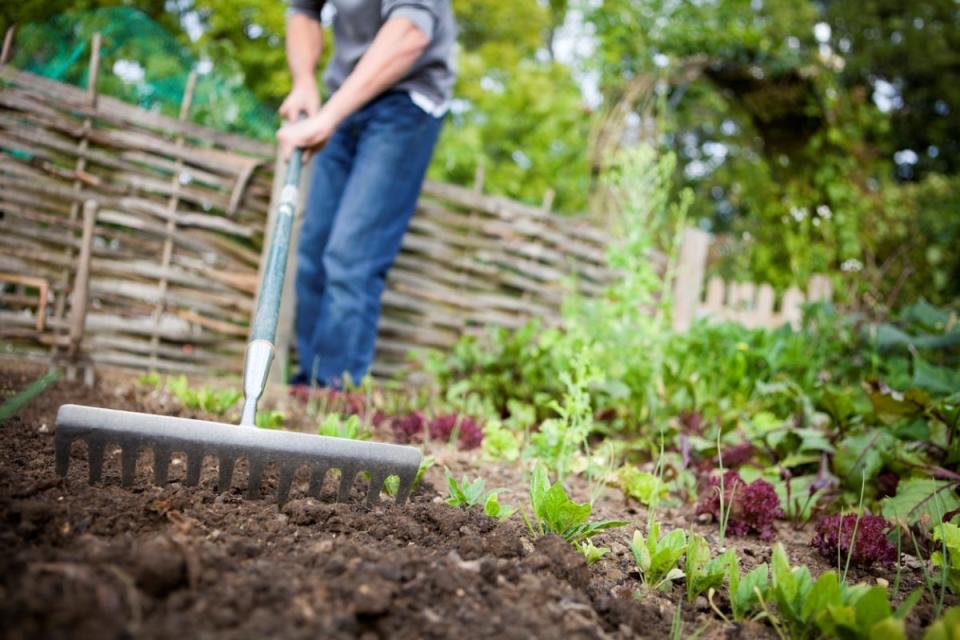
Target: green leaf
<point x="825" y="593"/>
<point x="743" y="595"/>
<point x="888" y="629"/>
<point x="863" y="455"/>
<point x="873" y="607"/>
<point x="933" y="378"/>
<point x="641" y="554"/>
<point x="642" y="486"/>
<point x="494" y="509"/>
<point x="889" y="403"/>
<point x="946" y="628"/>
<point x="921" y="499"/>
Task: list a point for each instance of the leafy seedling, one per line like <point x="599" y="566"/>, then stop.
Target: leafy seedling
<point x="392" y="484"/>
<point x="590" y="552"/>
<point x="703" y="572"/>
<point x="947" y="558"/>
<point x="467" y="493"/>
<point x="464" y="493"/>
<point x="657" y="557"/>
<point x="554" y="512"/>
<point x="493" y="508"/>
<point x="270" y="419"/>
<point x="746" y="591"/>
<point x="334" y="425"/>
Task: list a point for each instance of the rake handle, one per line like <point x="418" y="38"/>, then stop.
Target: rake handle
<point x="271" y="284"/>
<point x="259" y="354"/>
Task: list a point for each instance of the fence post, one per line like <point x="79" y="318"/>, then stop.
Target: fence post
<point x="173" y="206"/>
<point x="763" y="311"/>
<point x="790" y="311"/>
<point x="93" y="72"/>
<point x="689" y="280"/>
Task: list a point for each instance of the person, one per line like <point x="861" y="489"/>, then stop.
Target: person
<point x="390" y="80"/>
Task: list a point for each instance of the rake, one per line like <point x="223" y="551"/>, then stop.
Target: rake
<point x="289" y="450"/>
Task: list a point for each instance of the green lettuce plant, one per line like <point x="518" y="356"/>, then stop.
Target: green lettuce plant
<point x="555" y="513"/>
<point x="702" y="571"/>
<point x="657" y="557"/>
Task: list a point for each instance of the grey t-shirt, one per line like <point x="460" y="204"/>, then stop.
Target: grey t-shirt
<point x="355" y="25"/>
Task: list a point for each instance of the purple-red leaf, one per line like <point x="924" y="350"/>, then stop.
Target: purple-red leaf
<point x="834" y="533"/>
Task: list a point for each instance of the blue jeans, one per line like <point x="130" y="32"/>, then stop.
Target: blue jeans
<point x="364" y="189"/>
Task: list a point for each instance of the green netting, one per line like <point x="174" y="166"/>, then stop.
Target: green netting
<point x="143" y="64"/>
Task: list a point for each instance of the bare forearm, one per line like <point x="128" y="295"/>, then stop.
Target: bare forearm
<point x="390" y="57"/>
<point x="304" y="46"/>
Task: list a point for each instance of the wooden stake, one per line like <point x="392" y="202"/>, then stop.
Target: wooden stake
<point x="81" y="282"/>
<point x="7" y="52"/>
<point x="173" y="204"/>
<point x="93" y="72"/>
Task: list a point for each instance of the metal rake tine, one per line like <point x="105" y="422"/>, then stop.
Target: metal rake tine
<point x="101" y="428"/>
<point x="348" y="475"/>
<point x="95" y="453"/>
<point x="405" y="485"/>
<point x="161" y="464"/>
<point x="256" y="475"/>
<point x="128" y="463"/>
<point x="194" y="464"/>
<point x="224" y="473"/>
<point x="61" y="449"/>
<point x="376" y="484"/>
<point x="283" y="485"/>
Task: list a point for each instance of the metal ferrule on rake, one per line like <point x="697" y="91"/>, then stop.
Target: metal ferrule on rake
<point x="289" y="450"/>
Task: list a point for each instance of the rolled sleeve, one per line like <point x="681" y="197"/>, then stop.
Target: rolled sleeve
<point x="309" y="8"/>
<point x="422" y="14"/>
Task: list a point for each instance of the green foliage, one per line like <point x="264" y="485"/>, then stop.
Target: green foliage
<point x="947" y="556"/>
<point x="499" y="443"/>
<point x="702" y="571"/>
<point x="592" y="553"/>
<point x="946" y="628"/>
<point x="464" y="493"/>
<point x="829" y="606"/>
<point x="392" y="484"/>
<point x="657" y="557"/>
<point x="922" y="500"/>
<point x="206" y="399"/>
<point x="493" y="508"/>
<point x="555" y="513"/>
<point x="339" y="426"/>
<point x="746" y="592"/>
<point x="467" y="493"/>
<point x="270" y="419"/>
<point x="642" y="486"/>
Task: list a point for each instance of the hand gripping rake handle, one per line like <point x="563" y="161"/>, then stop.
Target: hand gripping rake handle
<point x="259" y="353"/>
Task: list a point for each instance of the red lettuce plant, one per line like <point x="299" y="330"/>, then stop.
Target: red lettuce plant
<point x="411" y="427"/>
<point x="442" y="426"/>
<point x="408" y="428"/>
<point x="470" y="432"/>
<point x="753" y="507"/>
<point x="834" y="533"/>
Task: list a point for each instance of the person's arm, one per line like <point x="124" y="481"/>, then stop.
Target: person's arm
<point x="392" y="54"/>
<point x="304" y="47"/>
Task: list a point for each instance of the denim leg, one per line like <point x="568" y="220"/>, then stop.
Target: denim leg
<point x="393" y="150"/>
<point x="331" y="168"/>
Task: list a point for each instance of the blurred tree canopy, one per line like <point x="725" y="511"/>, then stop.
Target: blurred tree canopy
<point x="817" y="135"/>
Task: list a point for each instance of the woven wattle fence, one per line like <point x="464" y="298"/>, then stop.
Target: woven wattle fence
<point x="178" y="215"/>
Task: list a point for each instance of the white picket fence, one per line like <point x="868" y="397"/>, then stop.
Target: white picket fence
<point x="750" y="304"/>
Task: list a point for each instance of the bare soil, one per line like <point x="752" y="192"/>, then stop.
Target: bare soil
<point x="169" y="561"/>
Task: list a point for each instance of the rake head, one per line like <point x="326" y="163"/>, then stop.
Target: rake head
<point x="227" y="442"/>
